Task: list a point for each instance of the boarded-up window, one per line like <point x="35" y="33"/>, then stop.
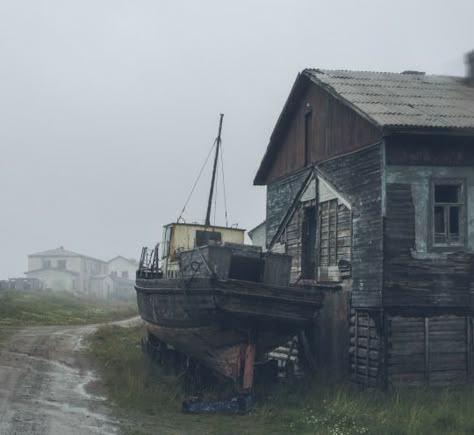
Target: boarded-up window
<point x="334" y="239"/>
<point x="327" y="225"/>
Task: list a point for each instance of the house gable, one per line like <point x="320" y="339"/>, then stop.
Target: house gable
<point x="314" y="125"/>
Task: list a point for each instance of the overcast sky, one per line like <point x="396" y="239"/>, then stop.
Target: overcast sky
<point x="109" y="107"/>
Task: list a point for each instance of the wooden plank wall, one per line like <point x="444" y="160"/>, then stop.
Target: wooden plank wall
<point x="328" y="233"/>
<point x="365" y="351"/>
<point x="294" y="242"/>
<point x="442" y="282"/>
<point x="335" y="239"/>
<point x="435" y="350"/>
<point x="280" y="196"/>
<point x="358" y="176"/>
<point x="430" y="150"/>
<point x="336" y="129"/>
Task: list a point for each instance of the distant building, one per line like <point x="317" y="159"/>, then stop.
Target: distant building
<point x="258" y="235"/>
<point x="119" y="279"/>
<point x="61" y="269"/>
<point x="21" y="284"/>
<point x="121" y="267"/>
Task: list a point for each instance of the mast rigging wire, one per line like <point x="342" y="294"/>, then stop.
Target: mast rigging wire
<point x="223" y="186"/>
<point x="197" y="180"/>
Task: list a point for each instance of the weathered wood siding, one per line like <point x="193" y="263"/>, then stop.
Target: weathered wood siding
<point x="293" y="243"/>
<point x="280" y="196"/>
<point x="335" y="129"/>
<point x="435" y="350"/>
<point x="335" y="240"/>
<point x="431" y="281"/>
<point x="359" y="177"/>
<point x="331" y="333"/>
<point x="430" y="150"/>
<point x="366" y="348"/>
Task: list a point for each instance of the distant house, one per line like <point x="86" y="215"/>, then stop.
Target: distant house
<point x="64" y="270"/>
<point x="370" y="184"/>
<point x="119" y="280"/>
<point x="258" y="235"/>
<point x="60" y="269"/>
<point x="121" y="267"/>
<point x="21" y="284"/>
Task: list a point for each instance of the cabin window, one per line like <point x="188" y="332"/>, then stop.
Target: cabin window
<point x="62" y="264"/>
<point x="165" y="246"/>
<point x="204" y="238"/>
<point x="308" y="121"/>
<point x="448" y="220"/>
<point x="308" y="270"/>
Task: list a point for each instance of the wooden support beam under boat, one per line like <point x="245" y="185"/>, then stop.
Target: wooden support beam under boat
<point x="249" y="366"/>
<point x="245" y="367"/>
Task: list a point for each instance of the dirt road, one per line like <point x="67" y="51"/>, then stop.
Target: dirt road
<point x="48" y="387"/>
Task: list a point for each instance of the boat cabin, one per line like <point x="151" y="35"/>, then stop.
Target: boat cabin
<point x="178" y="237"/>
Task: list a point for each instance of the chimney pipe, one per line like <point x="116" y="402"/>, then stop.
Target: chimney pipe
<point x="470" y="68"/>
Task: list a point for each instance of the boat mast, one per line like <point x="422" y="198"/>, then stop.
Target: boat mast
<point x="213" y="180"/>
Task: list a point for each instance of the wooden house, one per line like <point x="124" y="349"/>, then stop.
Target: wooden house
<point x="370" y="183"/>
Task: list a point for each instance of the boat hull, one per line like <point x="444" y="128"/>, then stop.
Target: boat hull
<point x="213" y="321"/>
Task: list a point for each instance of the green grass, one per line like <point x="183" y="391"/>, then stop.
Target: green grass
<point x="29" y="308"/>
<point x="146" y="395"/>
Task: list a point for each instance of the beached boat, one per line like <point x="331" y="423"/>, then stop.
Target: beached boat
<point x="219" y="301"/>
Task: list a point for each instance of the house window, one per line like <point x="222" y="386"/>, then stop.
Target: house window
<point x="62" y="264"/>
<point x="448" y="213"/>
<point x="125" y="274"/>
<point x="207" y="237"/>
<point x="46" y="264"/>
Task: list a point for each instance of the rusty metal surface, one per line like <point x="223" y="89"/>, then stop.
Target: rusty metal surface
<point x="412" y="100"/>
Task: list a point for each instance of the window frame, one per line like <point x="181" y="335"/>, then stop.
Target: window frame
<point x="61" y="264"/>
<point x="462" y="203"/>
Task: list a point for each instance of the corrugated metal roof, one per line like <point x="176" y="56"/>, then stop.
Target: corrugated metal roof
<point x="398" y="100"/>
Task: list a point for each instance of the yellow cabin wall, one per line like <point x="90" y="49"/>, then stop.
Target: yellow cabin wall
<point x="184" y="236"/>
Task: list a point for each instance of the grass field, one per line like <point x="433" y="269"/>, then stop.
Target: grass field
<point x="27" y="308"/>
<point x="152" y="400"/>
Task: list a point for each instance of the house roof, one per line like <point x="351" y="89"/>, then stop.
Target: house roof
<point x="409" y="99"/>
<point x="129" y="260"/>
<point x="390" y="101"/>
<point x="61" y="252"/>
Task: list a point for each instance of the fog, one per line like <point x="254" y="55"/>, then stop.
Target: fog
<point x="108" y="108"/>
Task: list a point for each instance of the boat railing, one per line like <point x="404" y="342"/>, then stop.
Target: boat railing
<point x="149" y="266"/>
